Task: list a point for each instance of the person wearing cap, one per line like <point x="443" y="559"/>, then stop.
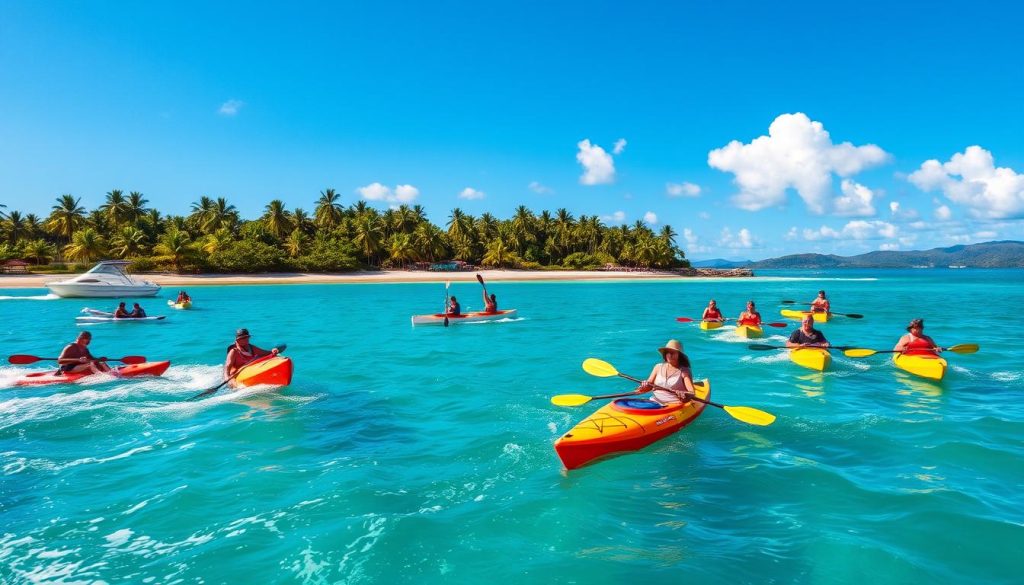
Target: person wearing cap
<point x="915" y="342"/>
<point x="821" y="304"/>
<point x="242" y="352"/>
<point x="711" y="312"/>
<point x="750" y="316"/>
<point x="121" y="312"/>
<point x="453" y="307"/>
<point x="137" y="311"/>
<point x="807" y="335"/>
<point x="672" y="375"/>
<point x="75" y="357"/>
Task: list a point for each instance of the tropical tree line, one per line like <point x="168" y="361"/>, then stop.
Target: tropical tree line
<point x="333" y="238"/>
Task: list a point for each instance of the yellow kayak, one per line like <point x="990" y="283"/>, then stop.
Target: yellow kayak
<point x="709" y="325"/>
<point x="814" y="358"/>
<point x="799" y="315"/>
<point x="749" y="331"/>
<point x="927" y="366"/>
<point x="181" y="305"/>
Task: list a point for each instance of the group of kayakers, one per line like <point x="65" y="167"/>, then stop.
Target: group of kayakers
<point x="121" y="312"/>
<point x="672" y="380"/>
<point x="183" y="297"/>
<point x="453" y="309"/>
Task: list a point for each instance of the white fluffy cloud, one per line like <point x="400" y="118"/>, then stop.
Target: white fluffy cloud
<point x="742" y="238"/>
<point x="617" y="217"/>
<point x="598" y="167"/>
<point x="971" y="178"/>
<point x="471" y="193"/>
<point x="857" y="229"/>
<point x="230" y="107"/>
<point x="378" y="192"/>
<point x="619" y="146"/>
<point x="651" y="218"/>
<point x="693" y="245"/>
<point x="539" y="189"/>
<point x="942" y="213"/>
<point x="684" y="189"/>
<point x="797" y="153"/>
<point x="856" y="200"/>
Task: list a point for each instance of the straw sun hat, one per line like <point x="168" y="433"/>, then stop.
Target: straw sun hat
<point x="671" y="345"/>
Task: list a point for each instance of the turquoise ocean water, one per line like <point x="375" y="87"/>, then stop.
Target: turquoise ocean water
<point x="424" y="455"/>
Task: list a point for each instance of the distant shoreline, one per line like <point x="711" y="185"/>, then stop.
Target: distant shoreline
<point x="383" y="276"/>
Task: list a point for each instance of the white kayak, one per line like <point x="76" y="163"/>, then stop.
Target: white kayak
<point x="472" y="317"/>
<point x="93" y="318"/>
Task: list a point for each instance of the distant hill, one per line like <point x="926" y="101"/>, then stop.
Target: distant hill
<point x="1003" y="254"/>
<point x="721" y="263"/>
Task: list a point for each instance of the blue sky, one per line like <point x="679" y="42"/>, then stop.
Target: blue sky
<point x="421" y="103"/>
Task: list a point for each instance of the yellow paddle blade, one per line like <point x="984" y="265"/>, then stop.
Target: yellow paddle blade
<point x="964" y="348"/>
<point x="570" y="399"/>
<point x="599" y="368"/>
<point x="749" y="415"/>
<point x="859" y="352"/>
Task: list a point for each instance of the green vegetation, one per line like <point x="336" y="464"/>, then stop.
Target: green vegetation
<point x="334" y="238"/>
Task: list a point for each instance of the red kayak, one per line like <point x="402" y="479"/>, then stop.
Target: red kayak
<point x="127" y="371"/>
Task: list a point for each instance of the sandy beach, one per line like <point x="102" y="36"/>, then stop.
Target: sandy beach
<point x="366" y="277"/>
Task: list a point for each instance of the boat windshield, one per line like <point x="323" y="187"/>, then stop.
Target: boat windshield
<point x="111" y="269"/>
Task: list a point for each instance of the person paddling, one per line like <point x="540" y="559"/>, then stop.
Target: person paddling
<point x="453" y="307"/>
<point x="750" y="316"/>
<point x="137" y="312"/>
<point x="183" y="297"/>
<point x="821" y="304"/>
<point x="711" y="312"/>
<point x="242" y="352"/>
<point x="121" y="312"/>
<point x="490" y="303"/>
<point x="75" y="357"/>
<point x="673" y="374"/>
<point x="915" y="342"/>
<point x="807" y="335"/>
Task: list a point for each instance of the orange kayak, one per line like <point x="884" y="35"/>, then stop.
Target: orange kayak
<point x="271" y="371"/>
<point x="627" y="424"/>
<point x="126" y="371"/>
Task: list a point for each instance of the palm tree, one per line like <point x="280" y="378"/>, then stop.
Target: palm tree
<point x="14" y="225"/>
<point x="33" y="226"/>
<point x="296" y="243"/>
<point x="328" y="210"/>
<point x="115" y="208"/>
<point x="429" y="242"/>
<point x="86" y="244"/>
<point x="220" y="215"/>
<point x="67" y="216"/>
<point x="276" y="220"/>
<point x="218" y="241"/>
<point x="498" y="254"/>
<point x="401" y="249"/>
<point x="301" y="221"/>
<point x="135" y="207"/>
<point x="404" y="219"/>
<point x="129" y="242"/>
<point x="459" y="225"/>
<point x="367" y="236"/>
<point x="40" y="250"/>
<point x="176" y="246"/>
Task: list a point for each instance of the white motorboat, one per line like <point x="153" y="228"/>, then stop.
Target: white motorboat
<point x="106" y="279"/>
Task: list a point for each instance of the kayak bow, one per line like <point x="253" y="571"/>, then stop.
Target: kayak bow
<point x="273" y="371"/>
<point x="928" y="366"/>
<point x="814" y="358"/>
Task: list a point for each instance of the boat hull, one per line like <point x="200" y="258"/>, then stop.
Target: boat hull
<point x="812" y="358"/>
<point x="749" y="331"/>
<point x="475" y="317"/>
<point x="928" y="366"/>
<point x="126" y="371"/>
<point x="273" y="371"/>
<point x="79" y="290"/>
<point x="799" y="315"/>
<point x="710" y="325"/>
<point x="618" y="427"/>
<point x="180" y="306"/>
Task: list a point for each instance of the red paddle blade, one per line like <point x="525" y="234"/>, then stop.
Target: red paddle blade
<point x="776" y="324"/>
<point x="21" y="359"/>
<point x="133" y="359"/>
<point x="683" y="319"/>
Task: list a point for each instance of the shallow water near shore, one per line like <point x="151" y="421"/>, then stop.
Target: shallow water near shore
<point x="424" y="455"/>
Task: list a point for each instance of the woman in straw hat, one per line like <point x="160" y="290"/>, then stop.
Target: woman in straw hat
<point x="672" y="375"/>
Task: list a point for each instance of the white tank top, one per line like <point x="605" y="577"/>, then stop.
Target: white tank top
<point x="672" y="382"/>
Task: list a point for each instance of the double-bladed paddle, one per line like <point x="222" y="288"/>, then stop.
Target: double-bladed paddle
<point x="850" y="315"/>
<point x="763" y="347"/>
<point x="21" y="359"/>
<point x="603" y="369"/>
<point x="213" y="389"/>
<point x="690" y="320"/>
<point x="859" y="352"/>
